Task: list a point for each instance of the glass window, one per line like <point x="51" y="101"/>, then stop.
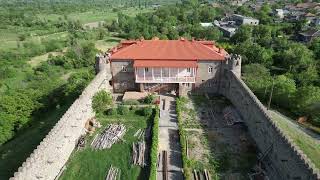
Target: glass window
<point x="146" y="69"/>
<point x="124" y="69"/>
<point x="210" y="69"/>
<point x="188" y="70"/>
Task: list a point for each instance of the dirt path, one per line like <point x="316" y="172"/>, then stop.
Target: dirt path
<point x="169" y="139"/>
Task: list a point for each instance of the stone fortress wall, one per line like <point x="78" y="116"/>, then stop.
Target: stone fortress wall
<point x="50" y="156"/>
<point x="280" y="155"/>
<point x="283" y="159"/>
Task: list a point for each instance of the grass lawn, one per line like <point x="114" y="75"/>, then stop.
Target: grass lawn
<point x="306" y="143"/>
<point x="88" y="164"/>
<point x="15" y="152"/>
<point x="94" y="16"/>
<point x="107" y="43"/>
<point x="37" y="60"/>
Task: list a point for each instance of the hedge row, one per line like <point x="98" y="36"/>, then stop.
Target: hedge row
<point x="179" y="104"/>
<point x="154" y="146"/>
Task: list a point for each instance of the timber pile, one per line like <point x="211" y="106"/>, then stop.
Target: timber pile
<point x="109" y="136"/>
<point x="198" y="175"/>
<point x="140" y="133"/>
<point x="138" y="153"/>
<point x="113" y="173"/>
<point x="81" y="143"/>
<point x="165" y="165"/>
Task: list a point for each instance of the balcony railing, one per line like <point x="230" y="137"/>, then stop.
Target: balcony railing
<point x="165" y="79"/>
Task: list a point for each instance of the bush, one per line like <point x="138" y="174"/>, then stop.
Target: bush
<point x="149" y="99"/>
<point x="131" y="102"/>
<point x="182" y="137"/>
<point x="77" y="82"/>
<point x="101" y="101"/>
<point x="112" y="111"/>
<point x="147" y="111"/>
<point x="123" y="110"/>
<point x="154" y="146"/>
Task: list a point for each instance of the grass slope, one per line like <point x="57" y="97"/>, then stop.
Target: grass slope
<point x="306" y="143"/>
<point x="88" y="164"/>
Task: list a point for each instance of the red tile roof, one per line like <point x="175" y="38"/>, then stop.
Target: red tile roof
<point x="163" y="63"/>
<point x="158" y="50"/>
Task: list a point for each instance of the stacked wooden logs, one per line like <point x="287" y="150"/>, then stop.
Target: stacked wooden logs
<point x="138" y="153"/>
<point x="81" y="143"/>
<point x="109" y="136"/>
<point x="198" y="175"/>
<point x="113" y="173"/>
<point x="140" y="133"/>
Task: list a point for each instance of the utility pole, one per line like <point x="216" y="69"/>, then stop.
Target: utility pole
<point x="271" y="93"/>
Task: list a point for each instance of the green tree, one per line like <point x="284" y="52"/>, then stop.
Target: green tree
<point x="243" y="33"/>
<point x="262" y="35"/>
<point x="315" y="47"/>
<point x="264" y="14"/>
<point x="7" y="125"/>
<point x="254" y="53"/>
<point x="244" y="10"/>
<point x="258" y="78"/>
<point x="308" y="76"/>
<point x="77" y="82"/>
<point x="149" y="99"/>
<point x="284" y="91"/>
<point x="308" y="102"/>
<point x="19" y="105"/>
<point x="123" y="110"/>
<point x="101" y="101"/>
<point x="296" y="58"/>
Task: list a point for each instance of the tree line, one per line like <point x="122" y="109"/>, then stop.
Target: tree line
<point x="269" y="52"/>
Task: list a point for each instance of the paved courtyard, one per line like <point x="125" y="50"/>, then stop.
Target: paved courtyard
<point x="169" y="139"/>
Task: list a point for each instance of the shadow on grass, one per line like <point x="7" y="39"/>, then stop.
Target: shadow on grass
<point x="15" y="152"/>
<point x="145" y="172"/>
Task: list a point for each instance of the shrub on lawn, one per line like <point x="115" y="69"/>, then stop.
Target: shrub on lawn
<point x="179" y="106"/>
<point x="101" y="101"/>
<point x="112" y="111"/>
<point x="131" y="102"/>
<point x="147" y="111"/>
<point x="154" y="146"/>
<point x="149" y="99"/>
<point x="123" y="110"/>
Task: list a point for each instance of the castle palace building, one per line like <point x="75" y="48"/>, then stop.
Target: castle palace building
<point x="165" y="65"/>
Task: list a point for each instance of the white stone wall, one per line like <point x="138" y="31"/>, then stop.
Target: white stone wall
<point x="52" y="153"/>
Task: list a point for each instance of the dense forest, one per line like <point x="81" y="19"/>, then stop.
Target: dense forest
<point x="269" y="52"/>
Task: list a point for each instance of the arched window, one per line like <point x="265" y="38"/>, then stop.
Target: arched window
<point x="210" y="69"/>
<point x="124" y="69"/>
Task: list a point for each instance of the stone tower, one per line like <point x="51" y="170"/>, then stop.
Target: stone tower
<point x="234" y="64"/>
<point x="100" y="63"/>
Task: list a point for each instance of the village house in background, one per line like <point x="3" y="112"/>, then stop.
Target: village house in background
<point x="309" y="35"/>
<point x="230" y="24"/>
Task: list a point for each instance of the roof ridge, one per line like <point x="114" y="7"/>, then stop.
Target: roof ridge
<point x="211" y="49"/>
<point x="170" y="49"/>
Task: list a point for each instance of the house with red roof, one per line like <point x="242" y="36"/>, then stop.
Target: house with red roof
<point x="165" y="65"/>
